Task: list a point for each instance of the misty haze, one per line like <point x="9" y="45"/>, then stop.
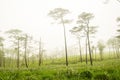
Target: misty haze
<point x="60" y="40"/>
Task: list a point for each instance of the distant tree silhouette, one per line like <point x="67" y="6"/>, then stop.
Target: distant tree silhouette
<point x="77" y="32"/>
<point x="40" y="52"/>
<point x="2" y="56"/>
<point x="118" y="30"/>
<point x="101" y="47"/>
<point x="118" y="37"/>
<point x="15" y="35"/>
<point x="24" y="38"/>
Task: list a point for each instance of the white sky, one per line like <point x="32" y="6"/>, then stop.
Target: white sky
<point x="31" y="17"/>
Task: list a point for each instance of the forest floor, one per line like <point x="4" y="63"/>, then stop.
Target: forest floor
<point x="101" y="70"/>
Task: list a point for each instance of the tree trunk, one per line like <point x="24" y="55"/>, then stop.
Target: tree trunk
<point x="89" y="50"/>
<point x="3" y="56"/>
<point x="117" y="52"/>
<point x="18" y="55"/>
<point x="65" y="41"/>
<point x="0" y="58"/>
<point x="95" y="54"/>
<point x="86" y="52"/>
<point x="80" y="51"/>
<point x="109" y="53"/>
<point x="101" y="56"/>
<point x="25" y="52"/>
<point x="40" y="53"/>
<point x="113" y="51"/>
<point x="90" y="54"/>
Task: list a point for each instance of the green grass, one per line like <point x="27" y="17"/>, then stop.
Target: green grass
<point x="101" y="70"/>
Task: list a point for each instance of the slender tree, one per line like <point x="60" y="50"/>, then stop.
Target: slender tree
<point x="86" y="50"/>
<point x="95" y="51"/>
<point x="84" y="19"/>
<point x="118" y="36"/>
<point x="101" y="47"/>
<point x="112" y="46"/>
<point x="77" y="32"/>
<point x="2" y="57"/>
<point x="109" y="47"/>
<point x="15" y="35"/>
<point x="26" y="40"/>
<point x="58" y="14"/>
<point x="115" y="42"/>
<point x="40" y="52"/>
<point x="25" y="47"/>
<point x="118" y="30"/>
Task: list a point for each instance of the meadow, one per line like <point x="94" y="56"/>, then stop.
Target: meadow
<point x="108" y="69"/>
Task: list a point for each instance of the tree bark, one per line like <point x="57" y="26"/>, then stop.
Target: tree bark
<point x="3" y="56"/>
<point x="86" y="52"/>
<point x="109" y="53"/>
<point x="25" y="53"/>
<point x="80" y="51"/>
<point x="89" y="47"/>
<point x="101" y="55"/>
<point x="95" y="54"/>
<point x="18" y="55"/>
<point x="40" y="53"/>
<point x="65" y="41"/>
<point x="0" y="58"/>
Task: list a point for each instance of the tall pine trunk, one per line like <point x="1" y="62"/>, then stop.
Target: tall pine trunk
<point x="25" y="53"/>
<point x="90" y="54"/>
<point x="3" y="56"/>
<point x="40" y="53"/>
<point x="86" y="52"/>
<point x="65" y="42"/>
<point x="95" y="54"/>
<point x="80" y="51"/>
<point x="18" y="54"/>
<point x="89" y="47"/>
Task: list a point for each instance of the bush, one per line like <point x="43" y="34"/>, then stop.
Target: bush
<point x="86" y="75"/>
<point x="47" y="77"/>
<point x="101" y="77"/>
<point x="69" y="73"/>
<point x="115" y="75"/>
<point x="110" y="71"/>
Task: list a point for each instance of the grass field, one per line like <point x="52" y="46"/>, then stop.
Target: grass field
<point x="101" y="70"/>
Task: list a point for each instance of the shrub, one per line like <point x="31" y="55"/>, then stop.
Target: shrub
<point x="86" y="75"/>
<point x="47" y="77"/>
<point x="110" y="71"/>
<point x="115" y="75"/>
<point x="69" y="72"/>
<point x="101" y="77"/>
